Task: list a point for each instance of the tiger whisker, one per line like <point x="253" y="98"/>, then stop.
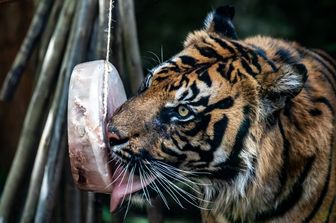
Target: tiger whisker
<point x="161" y="54"/>
<point x="117" y="178"/>
<point x="128" y="181"/>
<point x="170" y="192"/>
<point x="179" y="170"/>
<point x="145" y="190"/>
<point x="130" y="196"/>
<point x="178" y="177"/>
<point x="179" y="190"/>
<point x="162" y="176"/>
<point x="156" y="57"/>
<point x="176" y="173"/>
<point x="157" y="188"/>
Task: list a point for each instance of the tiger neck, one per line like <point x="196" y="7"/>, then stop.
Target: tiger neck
<point x="278" y="180"/>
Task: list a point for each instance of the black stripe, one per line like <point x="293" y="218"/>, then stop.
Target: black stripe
<point x="209" y="53"/>
<point x="205" y="77"/>
<point x="262" y="53"/>
<point x="330" y="210"/>
<point x="182" y="138"/>
<point x="203" y="101"/>
<point x="324" y="190"/>
<point x="232" y="166"/>
<point x="176" y="143"/>
<point x="285" y="157"/>
<point x="315" y="112"/>
<point x="172" y="86"/>
<point x="320" y="60"/>
<point x="223" y="44"/>
<point x="293" y="197"/>
<point x="285" y="56"/>
<point x="202" y="67"/>
<point x="325" y="101"/>
<point x="161" y="78"/>
<point x="241" y="135"/>
<point x="183" y="95"/>
<point x="222" y="104"/>
<point x="290" y="115"/>
<point x="326" y="57"/>
<point x="175" y="67"/>
<point x="255" y="61"/>
<point x="188" y="60"/>
<point x="243" y="51"/>
<point x="229" y="73"/>
<point x="247" y="68"/>
<point x="329" y="81"/>
<point x="219" y="132"/>
<point x="195" y="91"/>
<point x="201" y="124"/>
<point x="170" y="152"/>
<point x="220" y="69"/>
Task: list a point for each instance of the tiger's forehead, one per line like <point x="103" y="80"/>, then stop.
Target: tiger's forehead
<point x="204" y="49"/>
<point x="211" y="65"/>
<point x="200" y="49"/>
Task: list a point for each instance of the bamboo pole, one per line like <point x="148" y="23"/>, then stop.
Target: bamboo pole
<point x="72" y="199"/>
<point x="52" y="172"/>
<point x="155" y="211"/>
<point x="36" y="28"/>
<point x="30" y="131"/>
<point x="102" y="28"/>
<point x="130" y="40"/>
<point x="58" y="40"/>
<point x="48" y="31"/>
<point x="89" y="216"/>
<point x="76" y="52"/>
<point x="117" y="56"/>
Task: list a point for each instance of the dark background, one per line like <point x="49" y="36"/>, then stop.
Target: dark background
<point x="166" y="23"/>
<point x="162" y="27"/>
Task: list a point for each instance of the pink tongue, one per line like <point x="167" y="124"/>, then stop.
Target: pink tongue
<point x="124" y="185"/>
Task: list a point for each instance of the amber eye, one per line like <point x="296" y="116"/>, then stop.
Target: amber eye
<point x="183" y="111"/>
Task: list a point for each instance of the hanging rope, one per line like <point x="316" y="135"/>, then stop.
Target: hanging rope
<point x="109" y="30"/>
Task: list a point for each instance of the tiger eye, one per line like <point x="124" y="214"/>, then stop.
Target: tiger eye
<point x="183" y="111"/>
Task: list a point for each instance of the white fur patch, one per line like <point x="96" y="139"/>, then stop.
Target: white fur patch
<point x="208" y="20"/>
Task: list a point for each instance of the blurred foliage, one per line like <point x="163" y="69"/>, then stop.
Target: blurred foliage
<point x="165" y="24"/>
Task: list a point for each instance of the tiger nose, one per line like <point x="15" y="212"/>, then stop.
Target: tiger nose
<point x="115" y="137"/>
<point x="112" y="136"/>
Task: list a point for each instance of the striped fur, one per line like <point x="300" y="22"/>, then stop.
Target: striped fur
<point x="259" y="131"/>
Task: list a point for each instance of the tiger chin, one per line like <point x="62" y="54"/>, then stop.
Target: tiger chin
<point x="242" y="129"/>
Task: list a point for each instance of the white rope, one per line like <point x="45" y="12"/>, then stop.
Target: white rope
<point x="109" y="31"/>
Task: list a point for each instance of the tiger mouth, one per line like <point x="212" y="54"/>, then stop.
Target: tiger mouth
<point x="125" y="179"/>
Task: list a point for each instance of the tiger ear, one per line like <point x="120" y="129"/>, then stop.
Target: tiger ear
<point x="220" y="21"/>
<point x="282" y="85"/>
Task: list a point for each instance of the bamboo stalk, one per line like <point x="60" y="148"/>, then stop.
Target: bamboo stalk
<point x="49" y="31"/>
<point x="155" y="212"/>
<point x="89" y="216"/>
<point x="30" y="131"/>
<point x="72" y="198"/>
<point x="117" y="56"/>
<point x="75" y="53"/>
<point x="36" y="28"/>
<point x="102" y="28"/>
<point x="130" y="40"/>
<point x="58" y="40"/>
<point x="93" y="42"/>
<point x="52" y="173"/>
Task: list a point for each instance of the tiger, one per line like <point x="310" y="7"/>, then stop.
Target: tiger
<point x="241" y="128"/>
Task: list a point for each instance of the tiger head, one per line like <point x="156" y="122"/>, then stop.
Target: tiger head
<point x="198" y="116"/>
